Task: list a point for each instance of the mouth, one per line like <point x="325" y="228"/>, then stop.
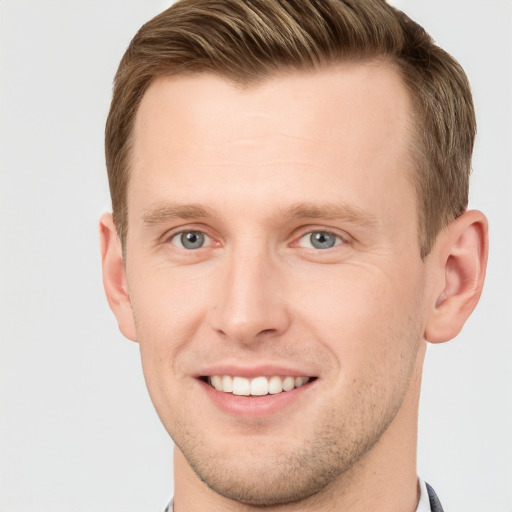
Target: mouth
<point x="257" y="386"/>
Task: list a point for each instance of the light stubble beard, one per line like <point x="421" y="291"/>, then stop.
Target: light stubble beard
<point x="265" y="476"/>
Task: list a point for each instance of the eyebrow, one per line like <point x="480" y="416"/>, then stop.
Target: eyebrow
<point x="172" y="211"/>
<point x="305" y="210"/>
<point x="331" y="211"/>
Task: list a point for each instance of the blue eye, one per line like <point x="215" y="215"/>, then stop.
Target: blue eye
<point x="320" y="240"/>
<point x="190" y="239"/>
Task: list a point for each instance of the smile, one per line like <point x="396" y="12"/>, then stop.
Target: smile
<point x="258" y="386"/>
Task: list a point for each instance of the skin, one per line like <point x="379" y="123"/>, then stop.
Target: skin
<point x="263" y="168"/>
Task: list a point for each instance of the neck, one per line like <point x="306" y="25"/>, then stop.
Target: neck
<point x="384" y="479"/>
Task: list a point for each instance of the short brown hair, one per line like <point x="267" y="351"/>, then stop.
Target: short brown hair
<point x="249" y="40"/>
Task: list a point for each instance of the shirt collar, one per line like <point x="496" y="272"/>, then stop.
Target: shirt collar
<point x="424" y="501"/>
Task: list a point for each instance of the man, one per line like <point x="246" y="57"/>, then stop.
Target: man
<point x="289" y="184"/>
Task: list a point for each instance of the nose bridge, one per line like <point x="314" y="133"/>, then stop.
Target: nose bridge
<point x="250" y="303"/>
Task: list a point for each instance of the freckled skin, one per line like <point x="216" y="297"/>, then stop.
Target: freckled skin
<point x="353" y="315"/>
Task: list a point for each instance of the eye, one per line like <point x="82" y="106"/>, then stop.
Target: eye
<point x="320" y="240"/>
<point x="190" y="240"/>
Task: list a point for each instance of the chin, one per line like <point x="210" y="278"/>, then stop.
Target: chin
<point x="268" y="472"/>
<point x="265" y="484"/>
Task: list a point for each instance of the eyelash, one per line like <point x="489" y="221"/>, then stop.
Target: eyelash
<point x="207" y="239"/>
<point x="338" y="239"/>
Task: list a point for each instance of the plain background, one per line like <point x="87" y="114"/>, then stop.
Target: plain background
<point x="77" y="430"/>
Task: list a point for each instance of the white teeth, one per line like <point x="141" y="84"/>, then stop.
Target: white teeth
<point x="288" y="383"/>
<point x="227" y="384"/>
<point x="275" y="386"/>
<point x="217" y="382"/>
<point x="259" y="386"/>
<point x="241" y="386"/>
<point x="300" y="381"/>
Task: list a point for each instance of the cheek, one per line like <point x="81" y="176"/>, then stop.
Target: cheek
<point x="167" y="303"/>
<point x="370" y="320"/>
<point x="168" y="312"/>
<point x="169" y="309"/>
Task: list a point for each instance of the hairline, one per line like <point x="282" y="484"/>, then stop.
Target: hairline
<point x="416" y="153"/>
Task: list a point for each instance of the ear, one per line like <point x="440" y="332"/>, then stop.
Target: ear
<point x="461" y="256"/>
<point x="114" y="277"/>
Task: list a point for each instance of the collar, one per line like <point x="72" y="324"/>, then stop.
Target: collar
<point x="424" y="501"/>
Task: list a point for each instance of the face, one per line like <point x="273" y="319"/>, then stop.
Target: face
<point x="274" y="275"/>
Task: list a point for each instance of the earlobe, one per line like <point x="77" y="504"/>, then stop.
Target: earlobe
<point x="114" y="277"/>
<point x="463" y="260"/>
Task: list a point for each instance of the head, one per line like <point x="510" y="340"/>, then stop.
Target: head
<point x="289" y="184"/>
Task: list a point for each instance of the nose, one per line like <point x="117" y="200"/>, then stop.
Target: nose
<point x="250" y="298"/>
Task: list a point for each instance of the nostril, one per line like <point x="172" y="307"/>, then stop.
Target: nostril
<point x="266" y="331"/>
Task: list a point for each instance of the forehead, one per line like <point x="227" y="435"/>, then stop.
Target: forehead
<point x="344" y="130"/>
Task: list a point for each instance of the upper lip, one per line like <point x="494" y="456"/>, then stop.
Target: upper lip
<point x="253" y="371"/>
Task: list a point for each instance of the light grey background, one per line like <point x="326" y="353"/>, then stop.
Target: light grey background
<point x="77" y="430"/>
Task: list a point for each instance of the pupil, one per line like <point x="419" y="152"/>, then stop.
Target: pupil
<point x="321" y="240"/>
<point x="192" y="240"/>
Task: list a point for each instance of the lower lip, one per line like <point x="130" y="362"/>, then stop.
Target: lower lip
<point x="254" y="406"/>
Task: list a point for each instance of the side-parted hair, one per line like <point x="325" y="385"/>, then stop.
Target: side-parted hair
<point x="248" y="41"/>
